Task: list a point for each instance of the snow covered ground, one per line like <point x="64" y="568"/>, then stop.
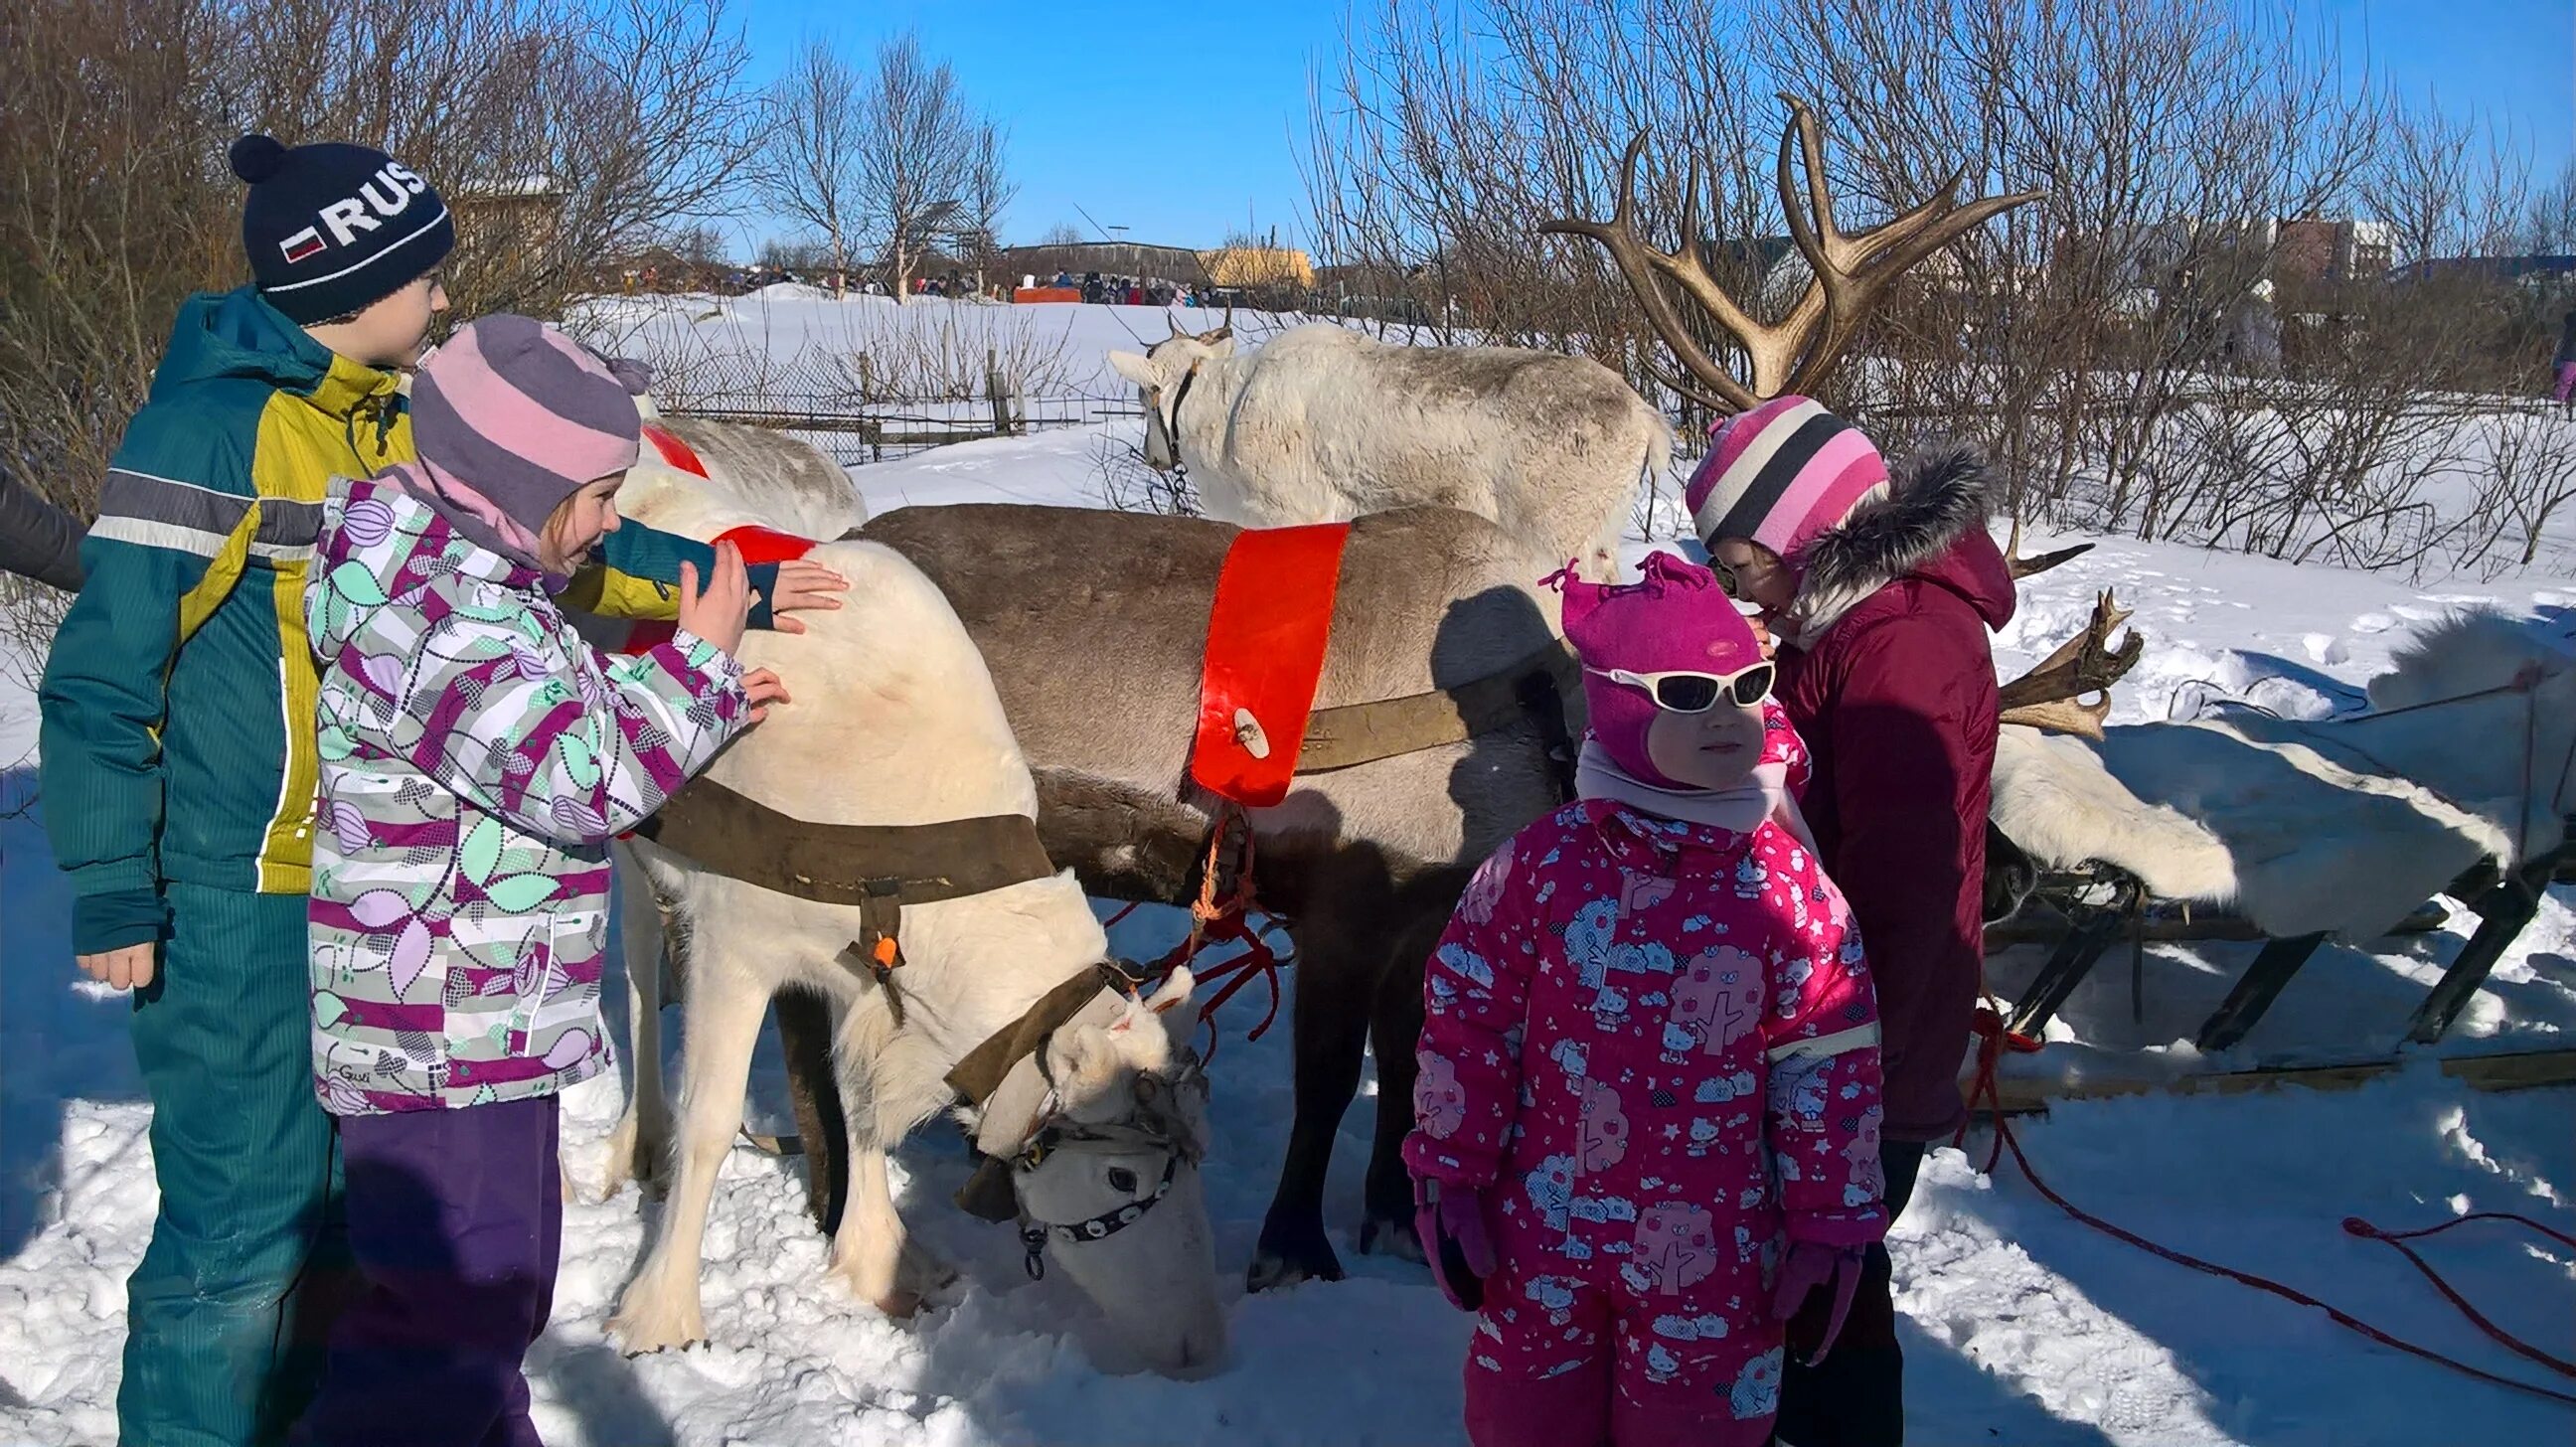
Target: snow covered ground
<point x="2023" y="1327"/>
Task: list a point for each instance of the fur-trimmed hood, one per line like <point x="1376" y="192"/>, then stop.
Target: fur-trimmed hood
<point x="1936" y="501"/>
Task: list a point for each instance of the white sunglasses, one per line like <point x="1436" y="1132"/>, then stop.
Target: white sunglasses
<point x="1682" y="691"/>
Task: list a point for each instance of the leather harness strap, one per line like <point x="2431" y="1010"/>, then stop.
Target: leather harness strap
<point x="880" y="868"/>
<point x="1361" y="733"/>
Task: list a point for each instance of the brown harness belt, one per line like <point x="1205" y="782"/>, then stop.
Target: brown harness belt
<point x="878" y="867"/>
<point x="1362" y="733"/>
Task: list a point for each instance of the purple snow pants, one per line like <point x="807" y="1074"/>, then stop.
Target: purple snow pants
<point x="456" y="1218"/>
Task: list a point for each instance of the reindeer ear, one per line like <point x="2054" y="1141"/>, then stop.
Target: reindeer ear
<point x="1168" y="1003"/>
<point x="1175" y="991"/>
<point x="1136" y="369"/>
<point x="1083" y="1062"/>
<point x="1220" y="343"/>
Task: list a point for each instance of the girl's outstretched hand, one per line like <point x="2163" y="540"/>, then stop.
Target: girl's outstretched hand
<point x="804" y="583"/>
<point x="761" y="688"/>
<point x="718" y="612"/>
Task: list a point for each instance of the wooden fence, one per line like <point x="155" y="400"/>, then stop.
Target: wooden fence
<point x="840" y="409"/>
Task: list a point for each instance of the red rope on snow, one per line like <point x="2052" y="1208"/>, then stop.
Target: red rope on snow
<point x="1990" y="1047"/>
<point x="2355" y="1226"/>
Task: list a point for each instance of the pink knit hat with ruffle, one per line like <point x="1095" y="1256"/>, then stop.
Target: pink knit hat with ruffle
<point x="1673" y="619"/>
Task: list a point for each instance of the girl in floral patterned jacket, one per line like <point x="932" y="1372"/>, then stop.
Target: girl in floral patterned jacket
<point x="477" y="758"/>
<point x="1647" y="1120"/>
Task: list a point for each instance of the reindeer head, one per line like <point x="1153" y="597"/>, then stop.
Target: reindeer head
<point x="1163" y="376"/>
<point x="1109" y="1188"/>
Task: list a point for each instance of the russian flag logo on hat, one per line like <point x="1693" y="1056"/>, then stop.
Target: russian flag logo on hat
<point x="302" y="246"/>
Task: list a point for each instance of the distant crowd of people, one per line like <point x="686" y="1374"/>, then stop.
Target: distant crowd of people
<point x="1099" y="290"/>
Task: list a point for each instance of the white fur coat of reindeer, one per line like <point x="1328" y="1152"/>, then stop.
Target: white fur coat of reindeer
<point x="1322" y="424"/>
<point x="894" y="720"/>
<point x="2340" y="826"/>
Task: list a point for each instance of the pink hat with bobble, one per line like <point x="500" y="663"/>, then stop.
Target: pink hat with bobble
<point x="1675" y="618"/>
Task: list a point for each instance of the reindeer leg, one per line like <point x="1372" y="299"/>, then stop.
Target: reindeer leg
<point x="814" y="1086"/>
<point x="890" y="1080"/>
<point x="1336" y="983"/>
<point x="723" y="1009"/>
<point x="1393" y="1028"/>
<point x="639" y="1149"/>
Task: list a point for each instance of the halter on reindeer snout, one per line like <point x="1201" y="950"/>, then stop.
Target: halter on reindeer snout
<point x="1023" y="1118"/>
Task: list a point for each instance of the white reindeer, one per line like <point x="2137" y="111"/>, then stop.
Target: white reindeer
<point x="2342" y="825"/>
<point x="1323" y="424"/>
<point x="895" y="721"/>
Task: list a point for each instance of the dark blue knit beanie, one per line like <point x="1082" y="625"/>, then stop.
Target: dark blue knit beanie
<point x="332" y="229"/>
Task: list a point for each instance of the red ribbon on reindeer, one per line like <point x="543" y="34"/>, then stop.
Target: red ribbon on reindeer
<point x="675" y="453"/>
<point x="1265" y="658"/>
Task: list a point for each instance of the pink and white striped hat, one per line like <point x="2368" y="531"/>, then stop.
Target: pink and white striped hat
<point x="523" y="416"/>
<point x="1781" y="474"/>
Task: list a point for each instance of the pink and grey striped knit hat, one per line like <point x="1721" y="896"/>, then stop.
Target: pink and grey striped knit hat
<point x="511" y="417"/>
<point x="1781" y="474"/>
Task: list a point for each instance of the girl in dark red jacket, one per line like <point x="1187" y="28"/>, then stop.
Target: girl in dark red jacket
<point x="1880" y="586"/>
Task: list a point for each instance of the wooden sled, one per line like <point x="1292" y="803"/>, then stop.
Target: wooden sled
<point x="2102" y="904"/>
<point x="2519" y="1070"/>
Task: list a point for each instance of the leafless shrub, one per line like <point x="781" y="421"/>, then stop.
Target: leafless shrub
<point x="2528" y="477"/>
<point x="808" y="169"/>
<point x="559" y="130"/>
<point x="1443" y="136"/>
<point x="2164" y="345"/>
<point x="885" y="161"/>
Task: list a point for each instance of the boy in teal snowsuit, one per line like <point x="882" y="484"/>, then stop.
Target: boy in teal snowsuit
<point x="178" y="766"/>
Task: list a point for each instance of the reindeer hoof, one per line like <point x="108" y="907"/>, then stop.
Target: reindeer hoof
<point x="1382" y="1237"/>
<point x="1290" y="1255"/>
<point x="922" y="1272"/>
<point x="644" y="1164"/>
<point x="647" y="1322"/>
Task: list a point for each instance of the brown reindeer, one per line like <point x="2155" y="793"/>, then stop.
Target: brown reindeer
<point x="1094" y="625"/>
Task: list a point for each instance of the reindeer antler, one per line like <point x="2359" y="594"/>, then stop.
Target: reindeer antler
<point x="1848" y="271"/>
<point x="2027" y="567"/>
<point x="2048" y="696"/>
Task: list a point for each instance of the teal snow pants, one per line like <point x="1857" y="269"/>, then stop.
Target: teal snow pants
<point x="227" y="1316"/>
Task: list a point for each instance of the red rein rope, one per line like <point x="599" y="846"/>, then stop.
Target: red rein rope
<point x="1990" y="1046"/>
<point x="1223" y="921"/>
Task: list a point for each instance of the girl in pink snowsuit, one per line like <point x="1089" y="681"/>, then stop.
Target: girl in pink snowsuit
<point x="1647" y="1121"/>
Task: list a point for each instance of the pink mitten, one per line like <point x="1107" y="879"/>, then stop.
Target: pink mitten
<point x="1811" y="1264"/>
<point x="1455" y="1241"/>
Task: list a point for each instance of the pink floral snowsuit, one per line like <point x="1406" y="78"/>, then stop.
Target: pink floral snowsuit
<point x="1611" y="1055"/>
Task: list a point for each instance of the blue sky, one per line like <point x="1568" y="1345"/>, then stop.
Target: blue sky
<point x="1182" y="119"/>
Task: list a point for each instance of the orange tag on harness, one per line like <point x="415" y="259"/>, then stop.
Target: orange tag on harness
<point x="757" y="545"/>
<point x="1265" y="657"/>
